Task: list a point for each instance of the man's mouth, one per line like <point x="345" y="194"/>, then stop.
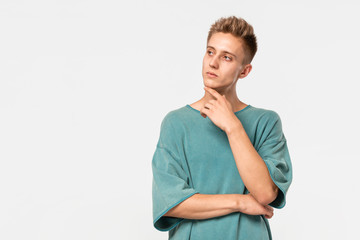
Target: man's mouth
<point x="211" y="74"/>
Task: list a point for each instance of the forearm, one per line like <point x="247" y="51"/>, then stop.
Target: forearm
<point x="203" y="206"/>
<point x="251" y="166"/>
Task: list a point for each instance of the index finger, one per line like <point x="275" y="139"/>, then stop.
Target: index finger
<point x="213" y="92"/>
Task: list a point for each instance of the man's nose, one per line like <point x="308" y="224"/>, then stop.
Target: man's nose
<point x="214" y="62"/>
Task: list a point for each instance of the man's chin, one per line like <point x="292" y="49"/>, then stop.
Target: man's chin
<point x="211" y="83"/>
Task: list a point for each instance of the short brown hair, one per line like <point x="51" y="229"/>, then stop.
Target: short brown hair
<point x="238" y="27"/>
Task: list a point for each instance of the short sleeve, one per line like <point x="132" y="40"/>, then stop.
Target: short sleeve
<point x="170" y="185"/>
<point x="274" y="151"/>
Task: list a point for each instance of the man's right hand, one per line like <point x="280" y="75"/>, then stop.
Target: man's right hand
<point x="249" y="205"/>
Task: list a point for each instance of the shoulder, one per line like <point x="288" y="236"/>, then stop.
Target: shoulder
<point x="264" y="115"/>
<point x="175" y="117"/>
<point x="173" y="123"/>
<point x="172" y="129"/>
<point x="268" y="124"/>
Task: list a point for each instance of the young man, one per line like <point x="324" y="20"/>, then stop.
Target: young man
<point x="220" y="165"/>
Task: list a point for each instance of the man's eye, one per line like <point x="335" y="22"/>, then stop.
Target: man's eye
<point x="209" y="52"/>
<point x="228" y="57"/>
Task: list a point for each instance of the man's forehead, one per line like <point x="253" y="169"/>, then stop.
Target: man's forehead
<point x="225" y="42"/>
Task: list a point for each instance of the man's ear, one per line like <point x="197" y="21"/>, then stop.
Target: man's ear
<point x="245" y="71"/>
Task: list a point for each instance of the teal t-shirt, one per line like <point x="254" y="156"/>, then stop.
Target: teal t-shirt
<point x="193" y="155"/>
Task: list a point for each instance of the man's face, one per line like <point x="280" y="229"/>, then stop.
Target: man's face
<point x="224" y="57"/>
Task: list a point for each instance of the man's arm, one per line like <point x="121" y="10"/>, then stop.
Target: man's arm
<point x="251" y="166"/>
<point x="204" y="206"/>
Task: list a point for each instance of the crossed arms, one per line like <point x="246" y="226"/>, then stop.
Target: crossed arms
<point x="255" y="176"/>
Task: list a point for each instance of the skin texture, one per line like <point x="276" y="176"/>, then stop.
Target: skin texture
<point x="225" y="57"/>
<point x="204" y="206"/>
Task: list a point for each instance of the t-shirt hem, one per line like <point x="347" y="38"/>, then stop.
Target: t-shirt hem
<point x="283" y="201"/>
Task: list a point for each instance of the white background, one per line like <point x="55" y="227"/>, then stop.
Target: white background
<point x="84" y="86"/>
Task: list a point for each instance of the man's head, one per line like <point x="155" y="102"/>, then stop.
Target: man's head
<point x="231" y="46"/>
<point x="240" y="29"/>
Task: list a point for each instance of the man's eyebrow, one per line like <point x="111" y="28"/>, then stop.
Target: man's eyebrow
<point x="222" y="51"/>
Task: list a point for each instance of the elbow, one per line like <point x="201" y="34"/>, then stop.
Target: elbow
<point x="268" y="197"/>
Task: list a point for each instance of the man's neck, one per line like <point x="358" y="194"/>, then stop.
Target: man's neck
<point x="236" y="104"/>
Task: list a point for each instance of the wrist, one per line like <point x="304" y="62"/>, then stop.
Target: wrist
<point x="236" y="127"/>
<point x="239" y="203"/>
